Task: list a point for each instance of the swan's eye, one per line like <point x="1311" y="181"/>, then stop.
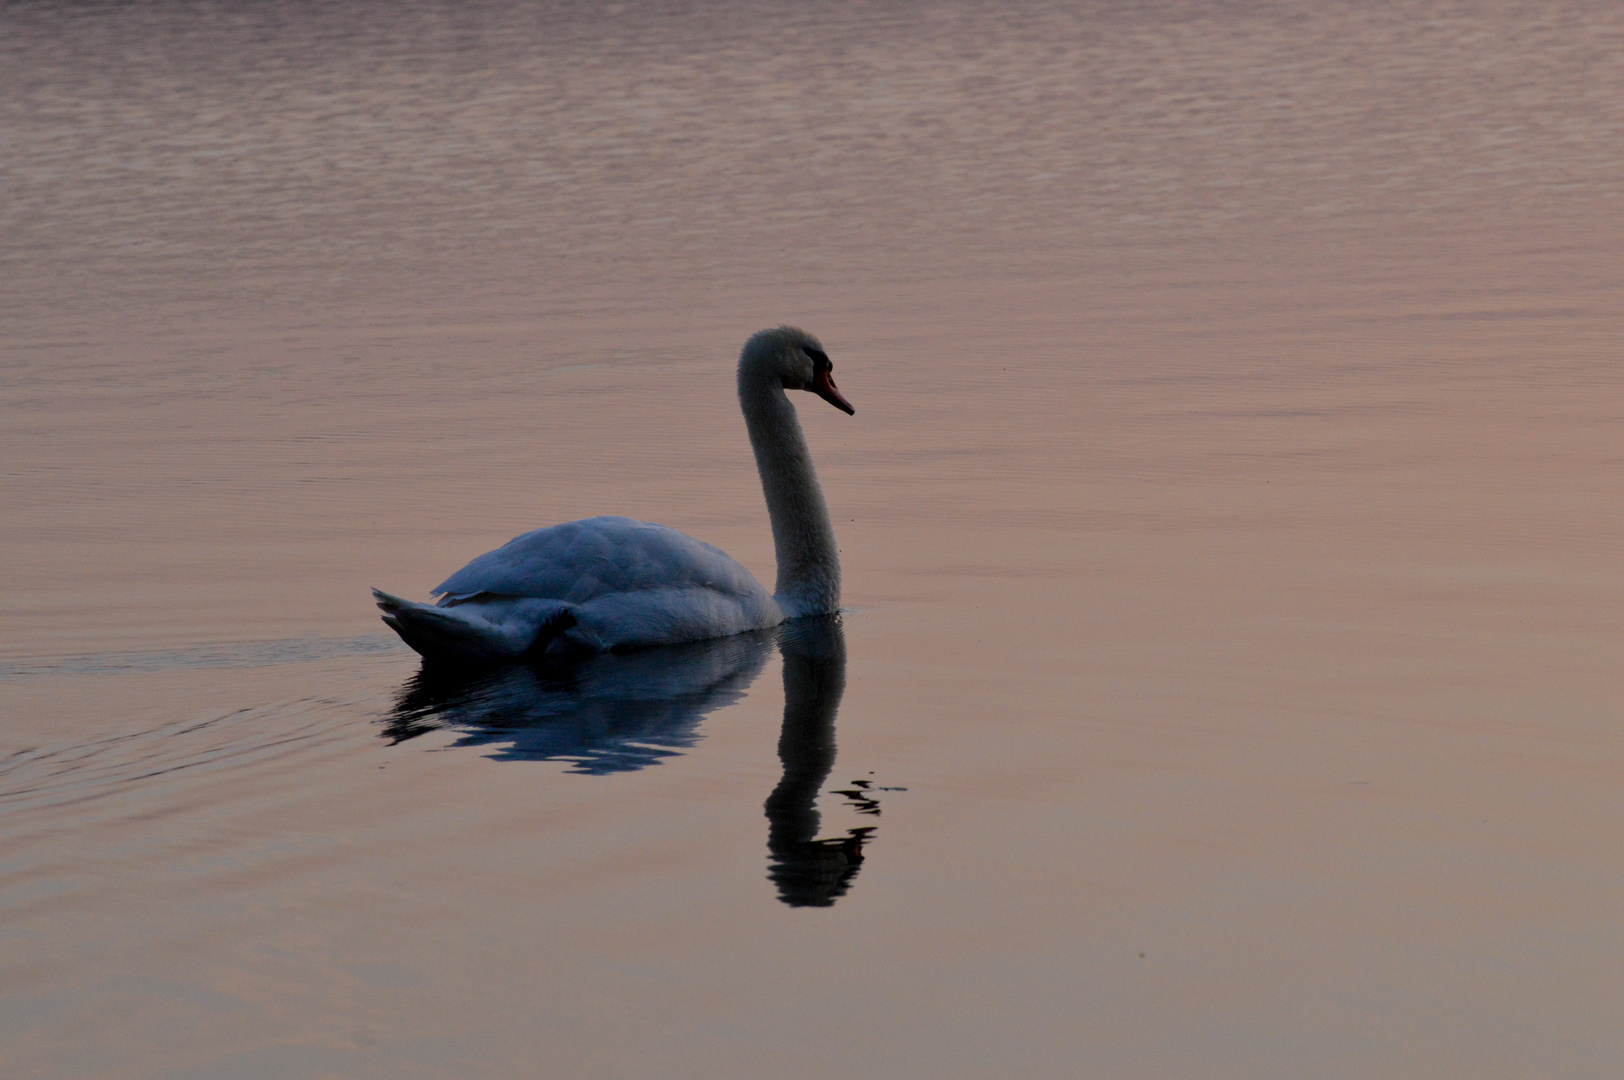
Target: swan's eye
<point x="820" y="359"/>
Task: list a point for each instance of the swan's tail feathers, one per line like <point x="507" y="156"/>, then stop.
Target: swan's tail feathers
<point x="493" y="629"/>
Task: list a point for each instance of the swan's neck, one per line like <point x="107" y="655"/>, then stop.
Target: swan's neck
<point x="808" y="561"/>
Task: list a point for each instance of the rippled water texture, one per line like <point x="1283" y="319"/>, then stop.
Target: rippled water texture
<point x="1229" y="681"/>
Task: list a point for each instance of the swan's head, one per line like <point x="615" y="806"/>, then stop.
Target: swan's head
<point x="795" y="360"/>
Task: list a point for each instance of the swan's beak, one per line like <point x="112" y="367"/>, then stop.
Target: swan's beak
<point x="823" y="385"/>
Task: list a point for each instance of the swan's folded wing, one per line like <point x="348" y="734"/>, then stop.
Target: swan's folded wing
<point x="581" y="560"/>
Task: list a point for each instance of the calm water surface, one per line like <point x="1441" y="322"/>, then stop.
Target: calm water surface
<point x="1229" y="681"/>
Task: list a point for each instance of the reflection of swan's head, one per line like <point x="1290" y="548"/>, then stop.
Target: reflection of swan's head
<point x="793" y="359"/>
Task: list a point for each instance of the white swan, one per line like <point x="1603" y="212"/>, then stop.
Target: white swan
<point x="611" y="582"/>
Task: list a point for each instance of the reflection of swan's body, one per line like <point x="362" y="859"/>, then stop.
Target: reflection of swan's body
<point x="610" y="582"/>
<point x="606" y="713"/>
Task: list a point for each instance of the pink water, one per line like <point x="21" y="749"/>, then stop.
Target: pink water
<point x="1230" y="524"/>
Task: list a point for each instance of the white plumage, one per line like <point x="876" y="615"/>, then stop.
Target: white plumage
<point x="612" y="582"/>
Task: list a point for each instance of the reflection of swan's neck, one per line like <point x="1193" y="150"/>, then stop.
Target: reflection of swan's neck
<point x="808" y="561"/>
<point x="810" y="872"/>
<point x="813" y="686"/>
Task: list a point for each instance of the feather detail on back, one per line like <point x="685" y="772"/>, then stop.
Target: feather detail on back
<point x="582" y="560"/>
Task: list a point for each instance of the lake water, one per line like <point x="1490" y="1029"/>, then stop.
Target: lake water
<point x="1229" y="681"/>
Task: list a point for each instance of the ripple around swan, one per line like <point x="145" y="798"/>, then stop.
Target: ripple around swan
<point x="257" y="738"/>
<point x="225" y="655"/>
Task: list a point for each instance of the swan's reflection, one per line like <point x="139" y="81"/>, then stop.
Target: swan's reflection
<point x="614" y="712"/>
<point x="621" y="712"/>
<point x="810" y="872"/>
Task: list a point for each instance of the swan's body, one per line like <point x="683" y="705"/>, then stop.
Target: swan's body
<point x="611" y="582"/>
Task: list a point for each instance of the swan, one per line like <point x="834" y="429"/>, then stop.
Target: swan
<point x="612" y="583"/>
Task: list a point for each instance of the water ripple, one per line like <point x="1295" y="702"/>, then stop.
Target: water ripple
<point x="64" y="775"/>
<point x="245" y="654"/>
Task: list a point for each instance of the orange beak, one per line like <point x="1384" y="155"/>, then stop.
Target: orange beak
<point x="823" y="385"/>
